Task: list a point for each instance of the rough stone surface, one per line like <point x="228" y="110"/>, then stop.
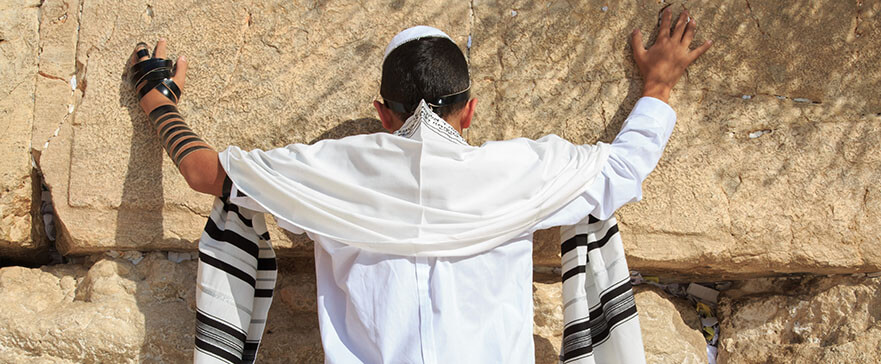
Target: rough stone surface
<point x="819" y="320"/>
<point x="770" y="169"/>
<point x="772" y="166"/>
<point x="670" y="327"/>
<point x="19" y="47"/>
<point x="56" y="86"/>
<point x="264" y="74"/>
<point x="110" y="310"/>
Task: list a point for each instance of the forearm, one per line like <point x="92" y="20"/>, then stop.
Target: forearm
<point x="197" y="162"/>
<point x="640" y="143"/>
<point x="634" y="153"/>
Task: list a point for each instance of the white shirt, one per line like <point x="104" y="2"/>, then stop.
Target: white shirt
<point x="379" y="308"/>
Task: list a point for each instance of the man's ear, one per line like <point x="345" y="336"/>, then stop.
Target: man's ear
<point x="385" y="116"/>
<point x="468" y="113"/>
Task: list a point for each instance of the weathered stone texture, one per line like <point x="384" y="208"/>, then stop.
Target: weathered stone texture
<point x="821" y="320"/>
<point x="777" y="181"/>
<point x="56" y="89"/>
<point x="110" y="310"/>
<point x="670" y="327"/>
<point x="773" y="163"/>
<point x="19" y="47"/>
<point x="262" y="74"/>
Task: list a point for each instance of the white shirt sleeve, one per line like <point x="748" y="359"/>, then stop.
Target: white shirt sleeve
<point x="635" y="152"/>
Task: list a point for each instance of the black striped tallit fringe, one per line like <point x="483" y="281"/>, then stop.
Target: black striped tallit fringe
<point x="220" y="339"/>
<point x="616" y="306"/>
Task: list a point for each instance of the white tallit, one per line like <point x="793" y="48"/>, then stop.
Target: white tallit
<point x="416" y="193"/>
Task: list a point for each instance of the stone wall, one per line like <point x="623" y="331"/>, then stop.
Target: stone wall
<point x="772" y="168"/>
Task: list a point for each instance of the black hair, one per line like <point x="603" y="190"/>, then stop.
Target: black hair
<point x="425" y="68"/>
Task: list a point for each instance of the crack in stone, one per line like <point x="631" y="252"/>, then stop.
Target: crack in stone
<point x="51" y="77"/>
<point x="470" y="30"/>
<point x="81" y="85"/>
<point x="749" y="8"/>
<point x="80" y="71"/>
<point x="859" y="20"/>
<point x="238" y="57"/>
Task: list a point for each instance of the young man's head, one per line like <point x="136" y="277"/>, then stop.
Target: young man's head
<point x="422" y="63"/>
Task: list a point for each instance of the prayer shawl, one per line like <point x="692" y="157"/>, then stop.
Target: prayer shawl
<point x="397" y="194"/>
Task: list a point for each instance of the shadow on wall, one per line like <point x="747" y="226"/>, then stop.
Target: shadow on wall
<point x="143" y="185"/>
<point x="142" y="193"/>
<point x="142" y="190"/>
<point x="351" y="127"/>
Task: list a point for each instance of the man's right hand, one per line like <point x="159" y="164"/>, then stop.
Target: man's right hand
<point x="664" y="62"/>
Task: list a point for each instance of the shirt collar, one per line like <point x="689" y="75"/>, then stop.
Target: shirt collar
<point x="424" y="124"/>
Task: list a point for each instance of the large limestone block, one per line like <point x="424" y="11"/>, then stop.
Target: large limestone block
<point x="761" y="186"/>
<point x="262" y="75"/>
<point x="111" y="310"/>
<point x="670" y="327"/>
<point x="817" y="320"/>
<point x="19" y="51"/>
<point x="772" y="167"/>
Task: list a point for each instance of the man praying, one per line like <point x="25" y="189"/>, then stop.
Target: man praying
<point x="423" y="243"/>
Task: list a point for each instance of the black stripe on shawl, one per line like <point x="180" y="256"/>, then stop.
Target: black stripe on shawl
<point x="601" y="336"/>
<point x="231" y="237"/>
<point x="216" y="351"/>
<point x="581" y="351"/>
<point x="600" y="316"/>
<point x="226" y="190"/>
<point x="581" y="240"/>
<point x="230" y="207"/>
<point x="263" y="293"/>
<point x="252" y="345"/>
<point x="250" y="354"/>
<point x="609" y="295"/>
<point x="574" y="271"/>
<point x="229" y="269"/>
<point x="601" y="321"/>
<point x="266" y="264"/>
<point x="219" y="339"/>
<point x="235" y="332"/>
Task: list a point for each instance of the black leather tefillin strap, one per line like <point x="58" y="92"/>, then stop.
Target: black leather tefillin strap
<point x="155" y="73"/>
<point x="176" y="136"/>
<point x="434" y="103"/>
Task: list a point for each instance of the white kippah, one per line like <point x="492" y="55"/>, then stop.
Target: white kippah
<point x="417" y="32"/>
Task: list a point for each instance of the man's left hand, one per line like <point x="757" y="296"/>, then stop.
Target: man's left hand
<point x="153" y="98"/>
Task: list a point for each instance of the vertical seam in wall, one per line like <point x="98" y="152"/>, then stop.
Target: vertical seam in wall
<point x="470" y="31"/>
<point x="34" y="94"/>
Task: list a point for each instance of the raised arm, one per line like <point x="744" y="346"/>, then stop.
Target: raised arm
<point x="637" y="148"/>
<point x="159" y="87"/>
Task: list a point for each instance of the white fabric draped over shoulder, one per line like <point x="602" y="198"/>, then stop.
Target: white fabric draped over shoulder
<point x="418" y="195"/>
